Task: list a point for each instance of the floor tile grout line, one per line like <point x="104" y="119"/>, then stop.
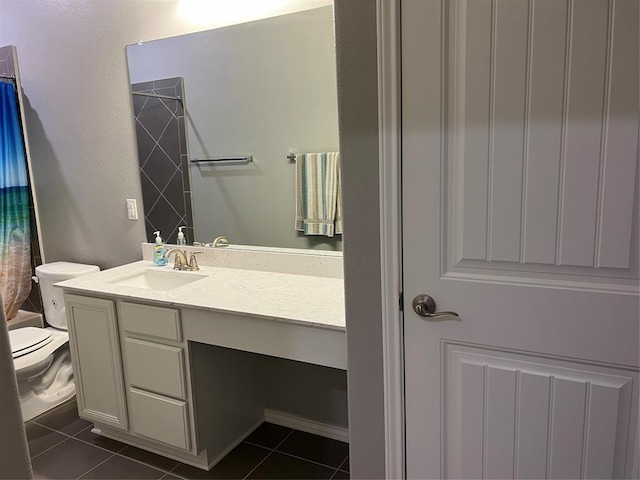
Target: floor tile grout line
<point x="308" y="460"/>
<point x="258" y="445"/>
<point x="47" y="449"/>
<point x="343" y="462"/>
<point x="302" y="458"/>
<point x="258" y="464"/>
<point x="275" y="449"/>
<point x="268" y="454"/>
<point x="176" y="466"/>
<point x="113" y="454"/>
<point x="59" y="432"/>
<point x="91" y="427"/>
<point x="271" y="449"/>
<point x="171" y="472"/>
<point x="96" y="466"/>
<point x="165" y="471"/>
<point x="168" y="473"/>
<point x="81" y="441"/>
<point x="98" y="446"/>
<point x="283" y="440"/>
<point x="333" y="475"/>
<point x="54" y="429"/>
<point x="85" y="429"/>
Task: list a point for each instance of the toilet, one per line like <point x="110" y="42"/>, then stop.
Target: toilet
<point x="41" y="356"/>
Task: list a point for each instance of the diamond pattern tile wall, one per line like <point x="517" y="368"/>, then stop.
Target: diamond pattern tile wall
<point x="162" y="154"/>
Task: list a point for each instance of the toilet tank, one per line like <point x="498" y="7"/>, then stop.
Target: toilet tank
<point x="52" y="298"/>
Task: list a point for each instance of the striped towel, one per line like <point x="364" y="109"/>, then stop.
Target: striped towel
<point x="318" y="194"/>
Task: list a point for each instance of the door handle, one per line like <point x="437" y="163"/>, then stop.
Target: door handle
<point x="425" y="306"/>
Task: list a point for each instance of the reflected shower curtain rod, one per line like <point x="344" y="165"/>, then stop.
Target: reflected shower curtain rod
<point x="155" y="95"/>
<point x="4" y="76"/>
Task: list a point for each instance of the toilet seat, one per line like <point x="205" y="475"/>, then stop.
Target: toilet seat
<point x="24" y="361"/>
<point x="28" y="339"/>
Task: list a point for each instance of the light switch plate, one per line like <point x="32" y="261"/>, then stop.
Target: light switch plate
<point x="132" y="209"/>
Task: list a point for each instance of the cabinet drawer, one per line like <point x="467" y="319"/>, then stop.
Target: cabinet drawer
<point x="154" y="367"/>
<point x="159" y="418"/>
<point x="154" y="321"/>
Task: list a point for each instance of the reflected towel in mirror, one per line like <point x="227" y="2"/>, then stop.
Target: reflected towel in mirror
<point x="318" y="194"/>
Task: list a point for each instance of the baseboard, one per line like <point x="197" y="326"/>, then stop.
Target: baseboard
<point x="306" y="425"/>
<point x="240" y="439"/>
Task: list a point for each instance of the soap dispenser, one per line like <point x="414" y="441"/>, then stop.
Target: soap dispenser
<point x="181" y="239"/>
<point x="159" y="260"/>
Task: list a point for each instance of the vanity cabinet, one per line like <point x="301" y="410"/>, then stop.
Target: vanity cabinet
<point x="130" y="368"/>
<point x="183" y="382"/>
<point x="95" y="351"/>
<point x="142" y="382"/>
<point x="156" y="374"/>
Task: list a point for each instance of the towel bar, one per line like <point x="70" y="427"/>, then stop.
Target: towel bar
<point x="245" y="159"/>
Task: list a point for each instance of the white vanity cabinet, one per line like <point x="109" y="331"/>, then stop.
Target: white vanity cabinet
<point x="156" y="374"/>
<point x="142" y="382"/>
<point x="95" y="350"/>
<point x="181" y="372"/>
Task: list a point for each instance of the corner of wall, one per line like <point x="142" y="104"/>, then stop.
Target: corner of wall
<point x="356" y="31"/>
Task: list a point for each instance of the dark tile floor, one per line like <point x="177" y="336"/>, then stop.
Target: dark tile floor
<point x="62" y="447"/>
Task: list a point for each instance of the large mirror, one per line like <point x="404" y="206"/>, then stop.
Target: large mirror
<point x="219" y="117"/>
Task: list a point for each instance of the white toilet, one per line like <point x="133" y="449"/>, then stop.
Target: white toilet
<point x="41" y="355"/>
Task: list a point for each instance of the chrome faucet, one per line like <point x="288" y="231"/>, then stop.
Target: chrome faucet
<point x="180" y="262"/>
<point x="221" y="241"/>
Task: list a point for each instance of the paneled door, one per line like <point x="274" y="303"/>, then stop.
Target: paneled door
<point x="520" y="215"/>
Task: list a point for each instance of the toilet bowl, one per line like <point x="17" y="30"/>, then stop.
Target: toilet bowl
<point x="41" y="356"/>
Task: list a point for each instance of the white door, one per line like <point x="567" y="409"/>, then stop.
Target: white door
<point x="520" y="213"/>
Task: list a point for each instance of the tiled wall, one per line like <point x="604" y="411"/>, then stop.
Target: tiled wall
<point x="162" y="153"/>
<point x="34" y="302"/>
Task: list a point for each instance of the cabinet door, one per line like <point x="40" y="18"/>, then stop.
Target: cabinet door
<point x="95" y="350"/>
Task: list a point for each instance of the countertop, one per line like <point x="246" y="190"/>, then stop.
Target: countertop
<point x="301" y="299"/>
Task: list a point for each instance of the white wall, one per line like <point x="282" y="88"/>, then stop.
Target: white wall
<point x="358" y="116"/>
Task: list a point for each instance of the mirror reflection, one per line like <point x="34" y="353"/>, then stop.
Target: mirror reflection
<point x="223" y="120"/>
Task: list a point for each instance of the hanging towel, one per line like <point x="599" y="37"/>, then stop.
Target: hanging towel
<point x="318" y="197"/>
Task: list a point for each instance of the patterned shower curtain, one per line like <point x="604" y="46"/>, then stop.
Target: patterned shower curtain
<point x="15" y="237"/>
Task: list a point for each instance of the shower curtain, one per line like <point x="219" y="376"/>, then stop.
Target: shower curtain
<point x="15" y="237"/>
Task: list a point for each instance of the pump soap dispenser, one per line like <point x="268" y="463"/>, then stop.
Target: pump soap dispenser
<point x="159" y="260"/>
<point x="181" y="239"/>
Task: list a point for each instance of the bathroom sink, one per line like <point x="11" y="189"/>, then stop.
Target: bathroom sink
<point x="157" y="280"/>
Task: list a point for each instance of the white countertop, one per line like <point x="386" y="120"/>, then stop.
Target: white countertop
<point x="301" y="299"/>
